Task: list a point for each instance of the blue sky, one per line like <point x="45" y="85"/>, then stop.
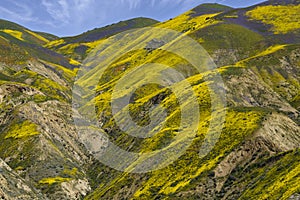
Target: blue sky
<point x="71" y="17"/>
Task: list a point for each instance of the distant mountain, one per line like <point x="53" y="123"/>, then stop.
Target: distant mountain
<point x="78" y="46"/>
<point x="110" y="30"/>
<point x="257" y="53"/>
<point x="209" y="8"/>
<point x="26" y="44"/>
<point x="16" y="32"/>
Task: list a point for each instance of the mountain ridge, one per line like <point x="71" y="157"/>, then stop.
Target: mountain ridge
<point x="42" y="155"/>
<point x="78" y="46"/>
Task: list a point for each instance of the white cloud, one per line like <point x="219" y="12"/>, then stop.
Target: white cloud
<point x="83" y="5"/>
<point x="65" y="12"/>
<point x="20" y="12"/>
<point x="132" y="4"/>
<point x="59" y="11"/>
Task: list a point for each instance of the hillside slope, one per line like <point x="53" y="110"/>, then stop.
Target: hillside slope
<point x="37" y="142"/>
<point x="257" y="155"/>
<point x="261" y="76"/>
<point x="27" y="43"/>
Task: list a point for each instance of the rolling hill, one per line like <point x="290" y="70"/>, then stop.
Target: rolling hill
<point x="256" y="51"/>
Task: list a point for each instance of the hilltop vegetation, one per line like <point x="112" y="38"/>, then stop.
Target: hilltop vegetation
<point x="78" y="47"/>
<point x="283" y="19"/>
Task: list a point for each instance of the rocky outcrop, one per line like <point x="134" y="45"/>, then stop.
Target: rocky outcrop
<point x="12" y="186"/>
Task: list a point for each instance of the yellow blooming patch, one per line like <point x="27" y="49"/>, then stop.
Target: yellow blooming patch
<point x="184" y="23"/>
<point x="284" y="19"/>
<point x="37" y="36"/>
<point x="54" y="43"/>
<point x="25" y="129"/>
<point x="51" y="181"/>
<point x="14" y="33"/>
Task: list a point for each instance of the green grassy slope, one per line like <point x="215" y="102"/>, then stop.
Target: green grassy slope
<point x="261" y="75"/>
